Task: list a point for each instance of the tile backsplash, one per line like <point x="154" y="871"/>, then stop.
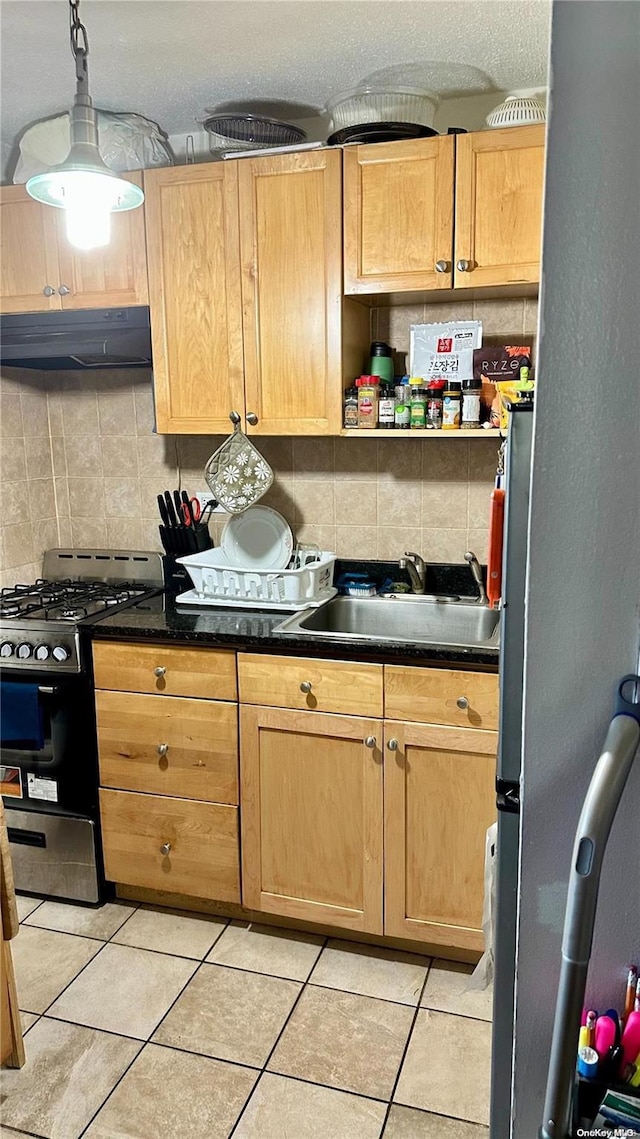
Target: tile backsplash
<point x="82" y="466"/>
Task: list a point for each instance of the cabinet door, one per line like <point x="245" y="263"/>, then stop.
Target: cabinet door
<point x="290" y="209"/>
<point x="111" y="276"/>
<point x="439" y="801"/>
<point x="312" y="817"/>
<point x="398" y="216"/>
<point x="191" y="215"/>
<point x="499" y="185"/>
<point x="28" y="253"/>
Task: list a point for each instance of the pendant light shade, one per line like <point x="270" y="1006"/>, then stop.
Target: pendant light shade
<point x="83" y="184"/>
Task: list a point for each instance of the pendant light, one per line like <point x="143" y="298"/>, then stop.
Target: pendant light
<point x="84" y="185"/>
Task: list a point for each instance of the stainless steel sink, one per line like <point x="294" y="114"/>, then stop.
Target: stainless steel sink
<point x="413" y="618"/>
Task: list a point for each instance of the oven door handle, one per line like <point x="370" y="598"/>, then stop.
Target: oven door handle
<point x="46" y="690"/>
<point x="26" y="838"/>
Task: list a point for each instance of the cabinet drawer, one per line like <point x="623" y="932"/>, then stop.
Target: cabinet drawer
<point x="202" y="840"/>
<point x="441" y="696"/>
<point x="186" y="672"/>
<point x="334" y="686"/>
<point x="187" y="748"/>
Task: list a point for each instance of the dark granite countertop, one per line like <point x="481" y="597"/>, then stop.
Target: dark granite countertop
<point x="160" y="619"/>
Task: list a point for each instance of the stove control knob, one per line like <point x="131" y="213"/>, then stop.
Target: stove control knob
<point x="24" y="651"/>
<point x="60" y="653"/>
<point x="42" y="652"/>
<point x="6" y="649"/>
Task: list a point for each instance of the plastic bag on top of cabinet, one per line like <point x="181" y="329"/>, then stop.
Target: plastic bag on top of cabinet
<point x="126" y="142"/>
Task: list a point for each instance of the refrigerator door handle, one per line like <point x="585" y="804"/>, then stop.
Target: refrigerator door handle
<point x="596" y="818"/>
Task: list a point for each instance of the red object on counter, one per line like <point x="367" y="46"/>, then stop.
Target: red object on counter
<point x="496" y="537"/>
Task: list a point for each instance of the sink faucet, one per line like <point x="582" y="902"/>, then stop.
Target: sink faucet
<point x="474" y="566"/>
<point x="417" y="570"/>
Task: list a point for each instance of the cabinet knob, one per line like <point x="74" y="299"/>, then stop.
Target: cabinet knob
<point x="462" y="702"/>
<point x="163" y="749"/>
<point x="463" y="266"/>
<point x="392" y="745"/>
<point x="165" y="848"/>
<point x="306" y="687"/>
<point x="370" y="742"/>
<point x="442" y="266"/>
<point x="64" y="290"/>
<point x="235" y="418"/>
<point x="159" y="671"/>
<point x="252" y="418"/>
<point x="48" y="291"/>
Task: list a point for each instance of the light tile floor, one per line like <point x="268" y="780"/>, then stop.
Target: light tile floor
<point x="147" y="1024"/>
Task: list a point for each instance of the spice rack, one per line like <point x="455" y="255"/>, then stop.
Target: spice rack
<point x="419" y="433"/>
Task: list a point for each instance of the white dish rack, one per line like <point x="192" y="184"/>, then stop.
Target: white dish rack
<point x="216" y="582"/>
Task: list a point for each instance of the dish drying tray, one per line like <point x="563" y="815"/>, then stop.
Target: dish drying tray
<point x="217" y="583"/>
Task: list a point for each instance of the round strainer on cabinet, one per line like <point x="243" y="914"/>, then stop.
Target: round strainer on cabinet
<point x="517" y="111"/>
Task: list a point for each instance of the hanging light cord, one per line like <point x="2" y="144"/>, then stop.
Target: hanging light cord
<point x="79" y="46"/>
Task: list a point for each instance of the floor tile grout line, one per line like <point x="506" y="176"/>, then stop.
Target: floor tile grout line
<point x="143" y="948"/>
<point x="405" y="1050"/>
<point x="278" y="1038"/>
<point x="143" y="1045"/>
<point x="74" y="978"/>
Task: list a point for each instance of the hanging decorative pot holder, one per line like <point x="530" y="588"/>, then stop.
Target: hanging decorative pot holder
<point x="237" y="475"/>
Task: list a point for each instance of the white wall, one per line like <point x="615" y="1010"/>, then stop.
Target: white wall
<point x="584" y="570"/>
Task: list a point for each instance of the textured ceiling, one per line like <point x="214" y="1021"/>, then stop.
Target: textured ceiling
<point x="169" y="59"/>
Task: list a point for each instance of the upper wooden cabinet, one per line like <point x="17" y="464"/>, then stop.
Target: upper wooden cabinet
<point x="290" y="239"/>
<point x="399" y="204"/>
<point x="499" y="186"/>
<point x="398" y="216"/>
<point x="37" y="257"/>
<point x="194" y="296"/>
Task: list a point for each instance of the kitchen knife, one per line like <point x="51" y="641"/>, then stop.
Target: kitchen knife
<point x="171" y="514"/>
<point x="162" y="507"/>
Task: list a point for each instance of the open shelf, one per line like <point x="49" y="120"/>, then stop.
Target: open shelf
<point x="420" y="433"/>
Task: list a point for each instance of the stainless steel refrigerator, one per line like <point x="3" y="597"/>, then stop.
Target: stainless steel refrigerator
<point x="514" y="567"/>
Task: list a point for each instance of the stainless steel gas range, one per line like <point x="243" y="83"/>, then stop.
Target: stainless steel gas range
<point x="48" y="748"/>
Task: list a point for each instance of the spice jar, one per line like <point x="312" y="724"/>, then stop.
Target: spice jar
<point x="368" y="401"/>
<point x="351" y="407"/>
<point x="402" y="412"/>
<point x="418" y="403"/>
<point x="386" y="407"/>
<point x="470" y="418"/>
<point x="435" y="389"/>
<point x="451" y="406"/>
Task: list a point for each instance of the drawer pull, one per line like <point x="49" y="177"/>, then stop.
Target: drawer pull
<point x="370" y="742"/>
<point x="392" y="745"/>
<point x="306" y="687"/>
<point x="159" y="671"/>
<point x="165" y="848"/>
<point x="163" y="749"/>
<point x="462" y="702"/>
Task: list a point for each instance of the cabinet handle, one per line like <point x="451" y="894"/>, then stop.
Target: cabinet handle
<point x="252" y="418"/>
<point x="463" y="266"/>
<point x="462" y="702"/>
<point x="392" y="745"/>
<point x="306" y="687"/>
<point x="165" y="848"/>
<point x="48" y="291"/>
<point x="64" y="290"/>
<point x="370" y="742"/>
<point x="163" y="749"/>
<point x="159" y="671"/>
<point x="442" y="266"/>
<point x="235" y="418"/>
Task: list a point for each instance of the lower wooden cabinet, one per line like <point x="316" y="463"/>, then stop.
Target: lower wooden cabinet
<point x="176" y="845"/>
<point x="312" y="816"/>
<point x="439" y="801"/>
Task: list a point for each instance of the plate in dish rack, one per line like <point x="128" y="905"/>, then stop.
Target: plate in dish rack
<point x="260" y="538"/>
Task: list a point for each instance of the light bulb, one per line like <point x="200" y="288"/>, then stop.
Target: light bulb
<point x="88" y="200"/>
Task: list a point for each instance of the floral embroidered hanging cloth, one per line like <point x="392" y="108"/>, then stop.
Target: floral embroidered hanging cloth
<point x="237" y="474"/>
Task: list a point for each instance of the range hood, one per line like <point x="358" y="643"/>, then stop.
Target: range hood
<point x="88" y="338"/>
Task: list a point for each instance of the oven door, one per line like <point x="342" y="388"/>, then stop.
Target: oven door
<point x="50" y="794"/>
